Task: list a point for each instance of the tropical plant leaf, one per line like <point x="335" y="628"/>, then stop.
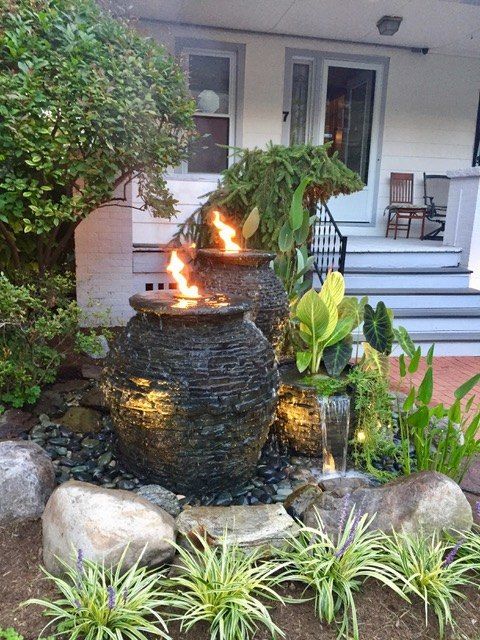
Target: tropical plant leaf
<point x="377" y="328"/>
<point x="285" y="238"/>
<point x="251" y="224"/>
<point x="467" y="386"/>
<point x="425" y="390"/>
<point x="342" y="329"/>
<point x="301" y="234"/>
<point x="404" y="340"/>
<point x="315" y="314"/>
<point x="334" y="286"/>
<point x="296" y="206"/>
<point x="337" y="356"/>
<point x="373" y="360"/>
<point x="415" y="361"/>
<point x="303" y="360"/>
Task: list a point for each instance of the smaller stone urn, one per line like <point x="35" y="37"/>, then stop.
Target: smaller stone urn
<point x="247" y="273"/>
<point x="191" y="386"/>
<point x="311" y="424"/>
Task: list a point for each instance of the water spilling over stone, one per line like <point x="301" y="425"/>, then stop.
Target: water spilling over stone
<point x="191" y="386"/>
<point x="313" y="425"/>
<point x="247" y="274"/>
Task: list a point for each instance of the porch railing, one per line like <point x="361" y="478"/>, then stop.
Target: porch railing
<point x="328" y="245"/>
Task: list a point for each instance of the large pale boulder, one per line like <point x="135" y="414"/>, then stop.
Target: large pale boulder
<point x="426" y="502"/>
<point x="103" y="523"/>
<point x="27" y="478"/>
<point x="267" y="525"/>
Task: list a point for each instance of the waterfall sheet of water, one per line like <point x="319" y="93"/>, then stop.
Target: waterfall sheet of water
<point x="335" y="427"/>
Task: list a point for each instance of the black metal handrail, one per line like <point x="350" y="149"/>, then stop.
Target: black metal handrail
<point x="328" y="244"/>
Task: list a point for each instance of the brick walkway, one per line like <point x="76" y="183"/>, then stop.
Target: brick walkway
<point x="449" y="372"/>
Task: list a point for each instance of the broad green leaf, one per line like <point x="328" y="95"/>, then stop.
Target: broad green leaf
<point x="377" y="328"/>
<point x="373" y="360"/>
<point x="303" y="360"/>
<point x="415" y="361"/>
<point x="337" y="356"/>
<point x="301" y="234"/>
<point x="425" y="390"/>
<point x="342" y="329"/>
<point x="334" y="286"/>
<point x="314" y="313"/>
<point x="409" y="400"/>
<point x="296" y="206"/>
<point x="251" y="224"/>
<point x="455" y="412"/>
<point x="404" y="340"/>
<point x="467" y="386"/>
<point x="285" y="238"/>
<point x="419" y="418"/>
<point x="300" y="261"/>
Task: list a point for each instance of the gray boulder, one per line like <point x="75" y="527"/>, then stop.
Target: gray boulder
<point x="161" y="497"/>
<point x="267" y="525"/>
<point x="427" y="502"/>
<point x="103" y="523"/>
<point x="27" y="478"/>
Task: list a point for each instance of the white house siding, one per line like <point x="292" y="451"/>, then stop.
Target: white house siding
<point x="429" y="121"/>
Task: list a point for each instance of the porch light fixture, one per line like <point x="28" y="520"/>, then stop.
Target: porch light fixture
<point x="389" y="25"/>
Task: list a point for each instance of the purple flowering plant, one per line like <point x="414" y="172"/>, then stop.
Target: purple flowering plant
<point x="433" y="569"/>
<point x="335" y="561"/>
<point x="98" y="602"/>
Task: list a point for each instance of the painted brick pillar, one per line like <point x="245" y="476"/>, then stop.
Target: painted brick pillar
<point x="103" y="256"/>
<point x="462" y="227"/>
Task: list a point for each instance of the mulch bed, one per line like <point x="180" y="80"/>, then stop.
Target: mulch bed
<point x="382" y="615"/>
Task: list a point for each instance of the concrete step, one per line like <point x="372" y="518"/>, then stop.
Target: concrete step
<point x="441" y="319"/>
<point x="428" y="298"/>
<point x="374" y="252"/>
<point x="407" y="277"/>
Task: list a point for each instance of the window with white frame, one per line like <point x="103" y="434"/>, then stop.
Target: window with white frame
<point x="212" y="75"/>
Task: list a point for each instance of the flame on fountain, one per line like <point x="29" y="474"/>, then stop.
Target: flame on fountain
<point x="175" y="267"/>
<point x="226" y="232"/>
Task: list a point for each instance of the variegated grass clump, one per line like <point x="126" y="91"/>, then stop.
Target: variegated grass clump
<point x="223" y="586"/>
<point x="433" y="569"/>
<point x="336" y="566"/>
<point x="101" y="603"/>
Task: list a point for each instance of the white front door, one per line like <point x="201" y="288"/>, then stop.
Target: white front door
<point x="329" y="99"/>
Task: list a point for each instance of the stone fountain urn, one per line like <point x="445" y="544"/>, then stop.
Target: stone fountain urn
<point x="192" y="390"/>
<point x="311" y="424"/>
<point x="247" y="273"/>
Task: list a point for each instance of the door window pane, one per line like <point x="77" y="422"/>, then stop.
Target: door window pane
<point x="210" y="82"/>
<point x="348" y="116"/>
<point x="299" y="108"/>
<point x="205" y="155"/>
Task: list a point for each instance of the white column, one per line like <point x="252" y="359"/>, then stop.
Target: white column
<point x="462" y="227"/>
<point x="103" y="256"/>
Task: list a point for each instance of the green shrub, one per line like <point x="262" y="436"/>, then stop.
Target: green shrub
<point x="37" y="322"/>
<point x="86" y="104"/>
<point x="432" y="570"/>
<point x="11" y="634"/>
<point x="224" y="587"/>
<point x="100" y="603"/>
<point x="335" y="567"/>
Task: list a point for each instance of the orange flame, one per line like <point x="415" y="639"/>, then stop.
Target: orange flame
<point x="175" y="267"/>
<point x="226" y="232"/>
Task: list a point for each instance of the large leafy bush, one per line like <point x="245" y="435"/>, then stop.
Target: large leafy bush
<point x="37" y="323"/>
<point x="86" y="104"/>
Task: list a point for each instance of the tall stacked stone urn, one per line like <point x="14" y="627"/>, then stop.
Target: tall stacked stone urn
<point x="191" y="386"/>
<point x="247" y="273"/>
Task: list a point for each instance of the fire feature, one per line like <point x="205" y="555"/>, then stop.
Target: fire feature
<point x="246" y="273"/>
<point x="191" y="386"/>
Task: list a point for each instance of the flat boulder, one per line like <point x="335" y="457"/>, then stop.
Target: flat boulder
<point x="267" y="525"/>
<point x="160" y="497"/>
<point x="102" y="523"/>
<point x="27" y="479"/>
<point x="427" y="502"/>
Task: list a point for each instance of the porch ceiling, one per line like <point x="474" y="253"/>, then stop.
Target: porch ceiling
<point x="444" y="26"/>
